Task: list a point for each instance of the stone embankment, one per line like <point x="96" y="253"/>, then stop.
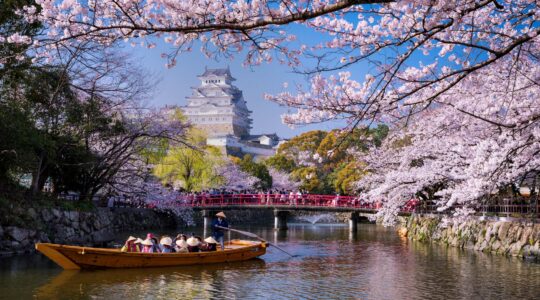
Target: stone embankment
<point x="265" y="217"/>
<point x="82" y="228"/>
<point x="512" y="238"/>
<point x="237" y="217"/>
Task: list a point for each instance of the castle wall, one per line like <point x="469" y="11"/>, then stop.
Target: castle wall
<point x="224" y="129"/>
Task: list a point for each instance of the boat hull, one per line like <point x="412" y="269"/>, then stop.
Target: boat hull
<point x="75" y="257"/>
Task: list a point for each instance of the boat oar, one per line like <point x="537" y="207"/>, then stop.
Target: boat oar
<point x="253" y="235"/>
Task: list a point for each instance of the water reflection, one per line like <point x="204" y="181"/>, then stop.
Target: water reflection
<point x="160" y="283"/>
<point x="374" y="263"/>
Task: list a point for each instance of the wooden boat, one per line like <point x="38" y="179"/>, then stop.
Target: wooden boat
<point x="75" y="257"/>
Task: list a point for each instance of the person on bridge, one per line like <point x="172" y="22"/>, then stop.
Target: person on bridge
<point x="218" y="233"/>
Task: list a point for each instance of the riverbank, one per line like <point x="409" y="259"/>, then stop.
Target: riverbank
<point x="23" y="228"/>
<point x="519" y="238"/>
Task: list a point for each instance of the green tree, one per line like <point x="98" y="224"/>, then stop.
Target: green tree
<point x="17" y="132"/>
<point x="256" y="169"/>
<point x="281" y="162"/>
<point x="192" y="167"/>
<point x="326" y="162"/>
<point x="345" y="177"/>
<point x="14" y="60"/>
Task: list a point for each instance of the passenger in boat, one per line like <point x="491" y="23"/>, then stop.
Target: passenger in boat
<point x="155" y="244"/>
<point x="211" y="244"/>
<point x="193" y="244"/>
<point x="203" y="247"/>
<point x="130" y="246"/>
<point x="181" y="246"/>
<point x="148" y="246"/>
<point x="218" y="232"/>
<point x="166" y="245"/>
<point x="180" y="237"/>
<point x="139" y="245"/>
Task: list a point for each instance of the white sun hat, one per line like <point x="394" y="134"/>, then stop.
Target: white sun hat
<point x="166" y="241"/>
<point x="181" y="243"/>
<point x="210" y="240"/>
<point x="147" y="242"/>
<point x="192" y="242"/>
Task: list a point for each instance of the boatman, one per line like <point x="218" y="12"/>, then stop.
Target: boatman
<point x="218" y="232"/>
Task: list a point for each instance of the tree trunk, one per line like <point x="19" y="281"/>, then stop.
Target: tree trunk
<point x="37" y="181"/>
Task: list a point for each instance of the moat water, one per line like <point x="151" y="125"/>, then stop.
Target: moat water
<point x="329" y="263"/>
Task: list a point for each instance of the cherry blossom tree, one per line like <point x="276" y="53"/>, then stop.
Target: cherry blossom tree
<point x="282" y="180"/>
<point x="122" y="158"/>
<point x="233" y="178"/>
<point x="457" y="38"/>
<point x="459" y="77"/>
<point x="456" y="153"/>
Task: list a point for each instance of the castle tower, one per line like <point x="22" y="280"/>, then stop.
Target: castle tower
<point x="217" y="106"/>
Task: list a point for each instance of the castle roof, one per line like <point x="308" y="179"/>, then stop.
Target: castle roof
<point x="217" y="72"/>
<point x="258" y="136"/>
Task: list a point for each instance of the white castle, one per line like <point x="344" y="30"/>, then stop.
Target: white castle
<point x="218" y="107"/>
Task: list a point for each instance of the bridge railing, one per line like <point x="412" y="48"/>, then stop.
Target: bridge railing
<point x="334" y="201"/>
<point x="487" y="209"/>
<point x="329" y="201"/>
<point x="307" y="200"/>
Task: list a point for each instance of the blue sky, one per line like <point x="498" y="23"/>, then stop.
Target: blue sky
<point x="174" y="85"/>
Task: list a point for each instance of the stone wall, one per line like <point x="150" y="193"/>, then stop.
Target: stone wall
<point x="263" y="217"/>
<point x="513" y="238"/>
<point x="80" y="228"/>
<point x="325" y="217"/>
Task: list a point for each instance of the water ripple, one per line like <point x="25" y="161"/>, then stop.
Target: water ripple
<point x="331" y="264"/>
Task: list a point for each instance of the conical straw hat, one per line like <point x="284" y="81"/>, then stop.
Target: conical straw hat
<point x="181" y="243"/>
<point x="210" y="240"/>
<point x="147" y="242"/>
<point x="166" y="241"/>
<point x="192" y="242"/>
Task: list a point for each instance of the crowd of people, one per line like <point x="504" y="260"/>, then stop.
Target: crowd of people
<point x="230" y="196"/>
<point x="276" y="196"/>
<point x="181" y="243"/>
<point x="166" y="244"/>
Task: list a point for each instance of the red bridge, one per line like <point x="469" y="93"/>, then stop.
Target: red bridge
<point x="293" y="201"/>
<point x="283" y="203"/>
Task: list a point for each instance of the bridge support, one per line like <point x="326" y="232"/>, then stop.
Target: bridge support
<point x="353" y="222"/>
<point x="208" y="215"/>
<point x="280" y="219"/>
